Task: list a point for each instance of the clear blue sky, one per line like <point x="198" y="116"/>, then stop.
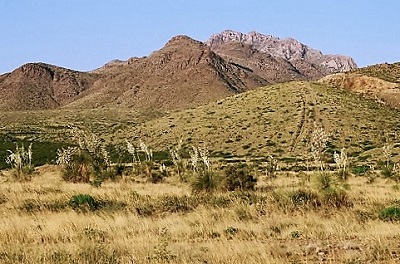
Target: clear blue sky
<point x="85" y="34"/>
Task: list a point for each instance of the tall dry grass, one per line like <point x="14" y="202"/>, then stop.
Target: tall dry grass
<point x="141" y="222"/>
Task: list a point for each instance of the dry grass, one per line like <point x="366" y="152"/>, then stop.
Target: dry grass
<point x="39" y="226"/>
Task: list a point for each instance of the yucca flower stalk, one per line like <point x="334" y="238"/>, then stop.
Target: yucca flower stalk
<point x="20" y="159"/>
<point x="341" y="161"/>
<point x="194" y="158"/>
<point x="204" y="155"/>
<point x="319" y="139"/>
<point x="177" y="159"/>
<point x="387" y="153"/>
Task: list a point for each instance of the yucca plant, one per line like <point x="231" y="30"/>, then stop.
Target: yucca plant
<point x="319" y="139"/>
<point x="205" y="182"/>
<point x="140" y="167"/>
<point x="89" y="158"/>
<point x="341" y="163"/>
<point x="178" y="161"/>
<point x="21" y="161"/>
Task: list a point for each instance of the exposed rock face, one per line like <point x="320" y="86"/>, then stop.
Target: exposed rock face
<point x="308" y="62"/>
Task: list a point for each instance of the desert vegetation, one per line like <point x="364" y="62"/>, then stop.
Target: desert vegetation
<point x="289" y="184"/>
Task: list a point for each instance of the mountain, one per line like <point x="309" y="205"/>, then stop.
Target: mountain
<point x="185" y="73"/>
<point x="380" y="82"/>
<point x="41" y="86"/>
<point x="296" y="60"/>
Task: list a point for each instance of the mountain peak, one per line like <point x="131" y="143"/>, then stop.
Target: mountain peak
<point x="289" y="49"/>
<point x="183" y="39"/>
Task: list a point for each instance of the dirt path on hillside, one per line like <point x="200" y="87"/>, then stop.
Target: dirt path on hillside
<point x="310" y="114"/>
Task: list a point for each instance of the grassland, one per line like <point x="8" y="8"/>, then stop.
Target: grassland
<point x="139" y="222"/>
<point x="287" y="219"/>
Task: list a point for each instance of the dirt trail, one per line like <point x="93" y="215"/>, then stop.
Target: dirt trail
<point x="309" y="114"/>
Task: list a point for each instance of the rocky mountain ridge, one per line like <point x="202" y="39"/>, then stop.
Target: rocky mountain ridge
<point x="184" y="73"/>
<point x="309" y="62"/>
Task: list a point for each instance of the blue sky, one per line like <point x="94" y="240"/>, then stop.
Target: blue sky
<point x="85" y="34"/>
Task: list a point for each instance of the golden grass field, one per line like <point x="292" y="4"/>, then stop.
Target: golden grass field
<point x="141" y="222"/>
<point x="287" y="219"/>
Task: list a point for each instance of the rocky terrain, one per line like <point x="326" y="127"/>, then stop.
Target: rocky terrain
<point x="288" y="58"/>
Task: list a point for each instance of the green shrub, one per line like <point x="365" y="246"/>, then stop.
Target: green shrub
<point x="391" y="213"/>
<point x="238" y="177"/>
<point x="360" y="170"/>
<point x="84" y="202"/>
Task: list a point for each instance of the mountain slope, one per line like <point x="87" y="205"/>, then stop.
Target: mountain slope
<point x="41" y="86"/>
<point x="183" y="74"/>
<point x="307" y="62"/>
<point x="380" y="82"/>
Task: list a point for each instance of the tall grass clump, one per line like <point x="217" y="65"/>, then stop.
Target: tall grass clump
<point x="20" y="161"/>
<point x="89" y="159"/>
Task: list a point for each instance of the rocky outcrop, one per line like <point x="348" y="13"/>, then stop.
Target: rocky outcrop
<point x="309" y="62"/>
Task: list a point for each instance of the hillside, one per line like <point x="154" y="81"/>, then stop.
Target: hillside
<point x="42" y="86"/>
<point x="184" y="73"/>
<point x="278" y="120"/>
<point x="380" y="82"/>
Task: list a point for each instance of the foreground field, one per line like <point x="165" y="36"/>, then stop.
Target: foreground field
<point x="133" y="221"/>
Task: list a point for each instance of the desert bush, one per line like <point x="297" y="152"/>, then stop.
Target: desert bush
<point x="390" y="171"/>
<point x="391" y="213"/>
<point x="239" y="177"/>
<point x="20" y="161"/>
<point x="335" y="197"/>
<point x="360" y="170"/>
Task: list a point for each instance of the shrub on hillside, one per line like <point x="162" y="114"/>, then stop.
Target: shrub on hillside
<point x="239" y="177"/>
